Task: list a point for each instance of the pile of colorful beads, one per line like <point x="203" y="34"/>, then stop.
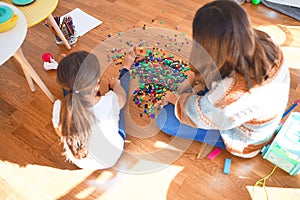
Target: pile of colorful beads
<point x="156" y="73"/>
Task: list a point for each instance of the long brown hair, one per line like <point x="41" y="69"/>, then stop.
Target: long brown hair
<point x="78" y="74"/>
<point x="224" y="30"/>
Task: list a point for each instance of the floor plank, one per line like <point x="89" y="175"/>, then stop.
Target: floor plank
<point x="154" y="165"/>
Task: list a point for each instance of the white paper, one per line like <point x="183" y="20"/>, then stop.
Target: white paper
<point x="82" y="21"/>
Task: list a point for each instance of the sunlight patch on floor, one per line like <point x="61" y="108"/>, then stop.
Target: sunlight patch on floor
<point x="274" y="193"/>
<point x="291" y="55"/>
<point x="289" y="46"/>
<point x="55" y="184"/>
<point x="145" y="186"/>
<point x="82" y="184"/>
<point x="275" y="32"/>
<point x="104" y="178"/>
<point x="163" y="145"/>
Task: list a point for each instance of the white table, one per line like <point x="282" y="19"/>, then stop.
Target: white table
<point x="40" y="10"/>
<point x="10" y="45"/>
<point x="11" y="40"/>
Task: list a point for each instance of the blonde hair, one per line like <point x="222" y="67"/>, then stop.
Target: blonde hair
<point x="78" y="74"/>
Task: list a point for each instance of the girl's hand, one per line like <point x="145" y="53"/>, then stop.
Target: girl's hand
<point x="115" y="84"/>
<point x="128" y="60"/>
<point x="113" y="81"/>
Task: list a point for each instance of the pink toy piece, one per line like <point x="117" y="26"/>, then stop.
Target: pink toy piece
<point x="214" y="153"/>
<point x="47" y="57"/>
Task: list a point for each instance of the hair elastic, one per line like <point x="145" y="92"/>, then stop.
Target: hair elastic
<point x="73" y="91"/>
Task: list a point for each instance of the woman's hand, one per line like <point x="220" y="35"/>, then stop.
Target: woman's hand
<point x="170" y="97"/>
<point x="187" y="84"/>
<point x="128" y="60"/>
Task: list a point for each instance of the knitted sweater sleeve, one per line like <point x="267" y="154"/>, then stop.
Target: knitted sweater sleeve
<point x="205" y="111"/>
<point x="199" y="112"/>
<point x="230" y="103"/>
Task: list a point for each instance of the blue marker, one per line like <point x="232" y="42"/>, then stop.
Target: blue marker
<point x="227" y="166"/>
<point x="289" y="109"/>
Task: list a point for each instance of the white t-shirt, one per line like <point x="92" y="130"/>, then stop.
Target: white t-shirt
<point x="106" y="144"/>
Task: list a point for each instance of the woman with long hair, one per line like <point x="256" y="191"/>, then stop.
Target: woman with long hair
<point x="246" y="80"/>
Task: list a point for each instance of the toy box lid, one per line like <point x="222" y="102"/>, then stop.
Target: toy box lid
<point x="284" y="151"/>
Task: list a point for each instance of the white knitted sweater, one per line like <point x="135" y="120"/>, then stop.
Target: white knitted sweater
<point x="247" y="119"/>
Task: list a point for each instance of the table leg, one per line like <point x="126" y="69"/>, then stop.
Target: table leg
<point x="29" y="80"/>
<point x="31" y="74"/>
<point x="53" y="23"/>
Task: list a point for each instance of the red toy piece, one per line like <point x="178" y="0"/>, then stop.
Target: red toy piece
<point x="47" y="56"/>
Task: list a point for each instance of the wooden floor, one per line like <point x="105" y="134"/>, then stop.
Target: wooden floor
<point x="154" y="165"/>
